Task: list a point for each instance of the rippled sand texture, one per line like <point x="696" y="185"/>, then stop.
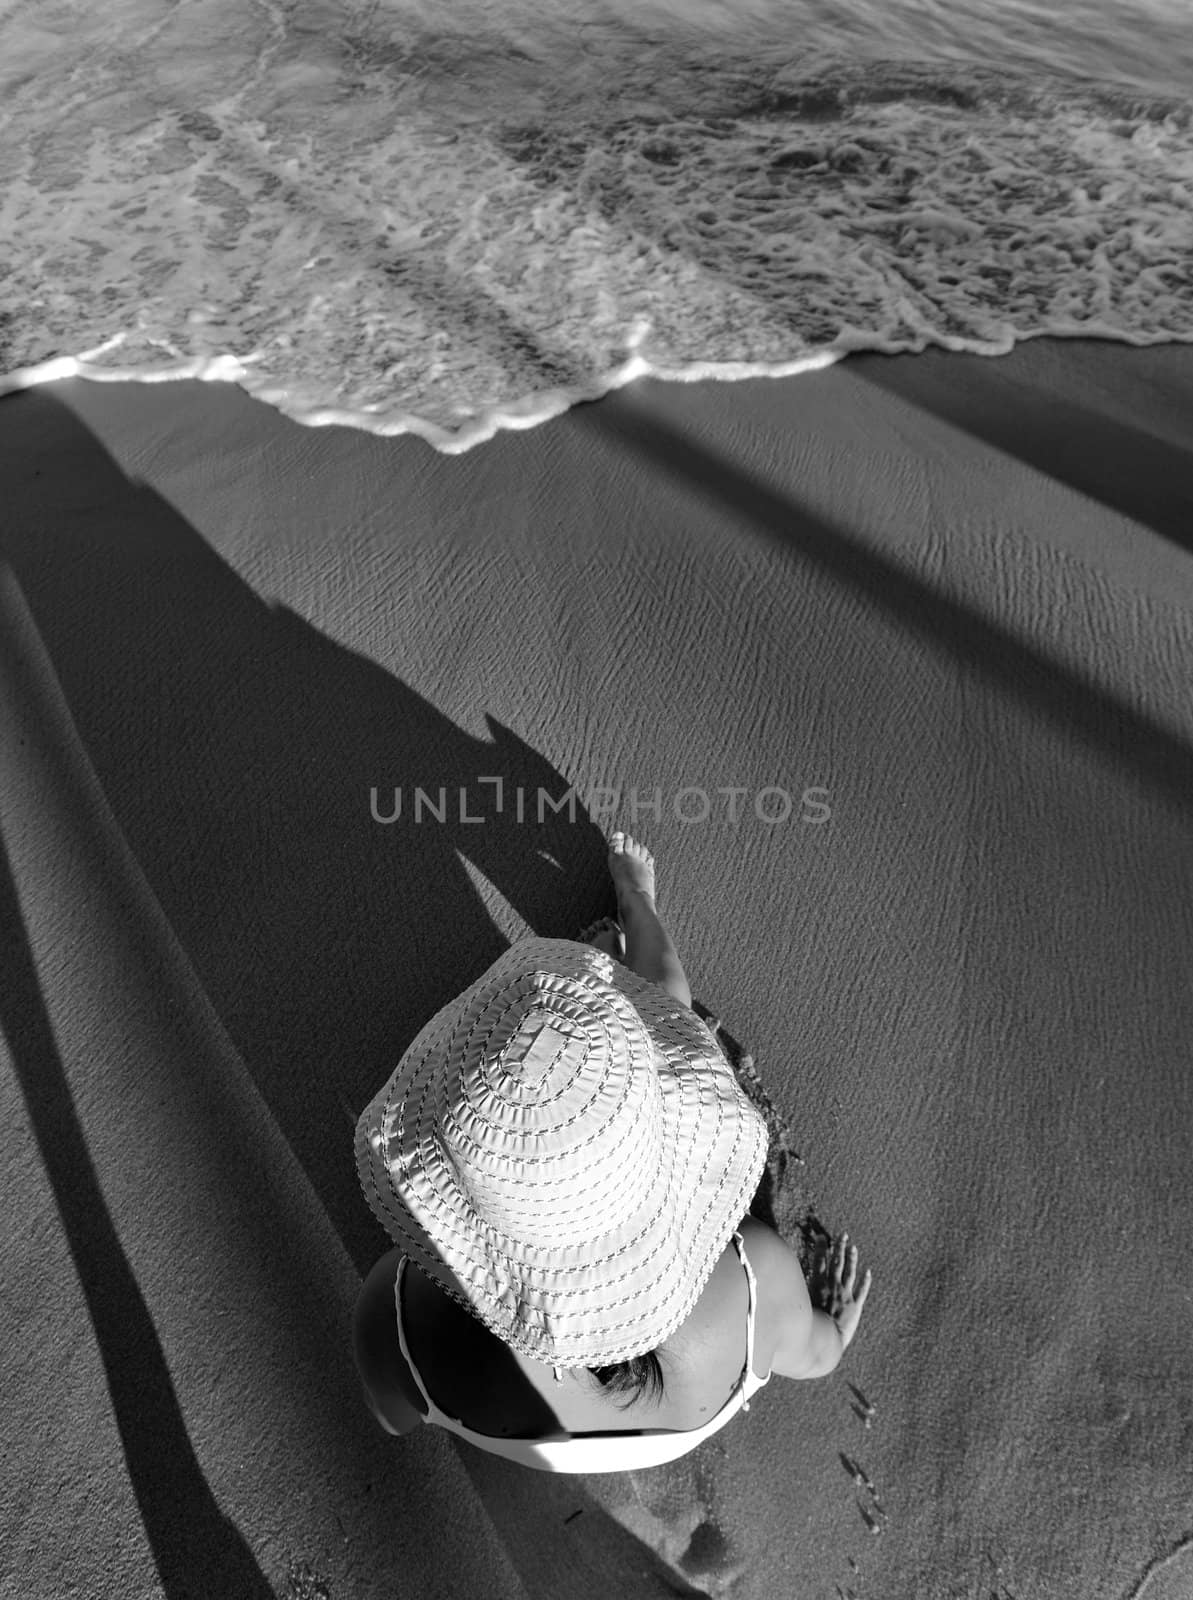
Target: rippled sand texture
<point x="954" y="593"/>
<point x="363" y="217"/>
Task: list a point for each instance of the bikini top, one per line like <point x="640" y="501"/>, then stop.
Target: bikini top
<point x="603" y="1452"/>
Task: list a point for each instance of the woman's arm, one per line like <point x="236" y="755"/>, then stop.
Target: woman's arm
<point x="815" y="1352"/>
<point x="390" y="1392"/>
<point x="809" y="1342"/>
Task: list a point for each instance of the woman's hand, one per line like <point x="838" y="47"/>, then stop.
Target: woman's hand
<point x="842" y="1297"/>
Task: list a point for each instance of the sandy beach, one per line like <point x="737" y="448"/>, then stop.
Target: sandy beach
<point x="890" y="665"/>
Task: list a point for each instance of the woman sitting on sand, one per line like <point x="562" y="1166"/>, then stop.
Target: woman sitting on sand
<point x="565" y="1161"/>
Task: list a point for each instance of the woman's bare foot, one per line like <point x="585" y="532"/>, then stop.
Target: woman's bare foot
<point x="605" y="935"/>
<point x="631" y="866"/>
<point x="648" y="948"/>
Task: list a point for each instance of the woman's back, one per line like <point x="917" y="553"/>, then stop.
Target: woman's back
<point x="473" y="1376"/>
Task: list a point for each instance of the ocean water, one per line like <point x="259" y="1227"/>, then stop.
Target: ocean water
<point x="439" y="218"/>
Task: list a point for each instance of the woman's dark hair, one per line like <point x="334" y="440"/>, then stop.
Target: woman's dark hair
<point x="640" y="1375"/>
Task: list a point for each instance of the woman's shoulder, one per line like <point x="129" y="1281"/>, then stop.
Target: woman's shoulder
<point x="782" y="1289"/>
<point x="473" y="1376"/>
<point x="768" y="1254"/>
<point x="468" y="1372"/>
<point x="393" y="1395"/>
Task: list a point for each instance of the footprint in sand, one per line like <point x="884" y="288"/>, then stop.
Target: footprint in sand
<point x="861" y="1407"/>
<point x="875" y="1520"/>
<point x="874" y="1514"/>
<point x="855" y="1471"/>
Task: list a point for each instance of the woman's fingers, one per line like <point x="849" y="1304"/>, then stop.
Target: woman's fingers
<point x="846" y="1263"/>
<point x="840" y="1266"/>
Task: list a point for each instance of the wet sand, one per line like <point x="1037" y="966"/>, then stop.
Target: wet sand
<point x="946" y="600"/>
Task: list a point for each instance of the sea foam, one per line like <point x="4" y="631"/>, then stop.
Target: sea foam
<point x="387" y="227"/>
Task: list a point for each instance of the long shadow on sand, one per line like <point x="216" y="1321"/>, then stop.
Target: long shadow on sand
<point x="1104" y="458"/>
<point x="239" y="748"/>
<point x="1115" y="731"/>
<point x="188" y="1533"/>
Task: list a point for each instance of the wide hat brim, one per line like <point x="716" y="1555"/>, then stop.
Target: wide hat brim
<point x="565" y="1150"/>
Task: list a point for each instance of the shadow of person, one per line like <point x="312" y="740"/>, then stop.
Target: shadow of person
<point x="180" y="1201"/>
<point x="247" y="758"/>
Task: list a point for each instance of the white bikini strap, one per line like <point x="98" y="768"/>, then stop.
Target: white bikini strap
<point x="753" y="1288"/>
<point x="432" y="1408"/>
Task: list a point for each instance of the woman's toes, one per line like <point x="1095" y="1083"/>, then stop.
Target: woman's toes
<point x="625" y="844"/>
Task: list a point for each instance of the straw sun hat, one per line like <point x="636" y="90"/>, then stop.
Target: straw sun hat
<point x="566" y="1152"/>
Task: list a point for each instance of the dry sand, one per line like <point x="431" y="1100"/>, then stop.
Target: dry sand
<point x="954" y="594"/>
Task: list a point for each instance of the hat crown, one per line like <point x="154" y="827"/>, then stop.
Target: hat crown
<point x="554" y="1127"/>
<point x="541" y="1052"/>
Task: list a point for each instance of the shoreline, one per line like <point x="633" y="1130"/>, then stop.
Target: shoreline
<point x="531" y="410"/>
